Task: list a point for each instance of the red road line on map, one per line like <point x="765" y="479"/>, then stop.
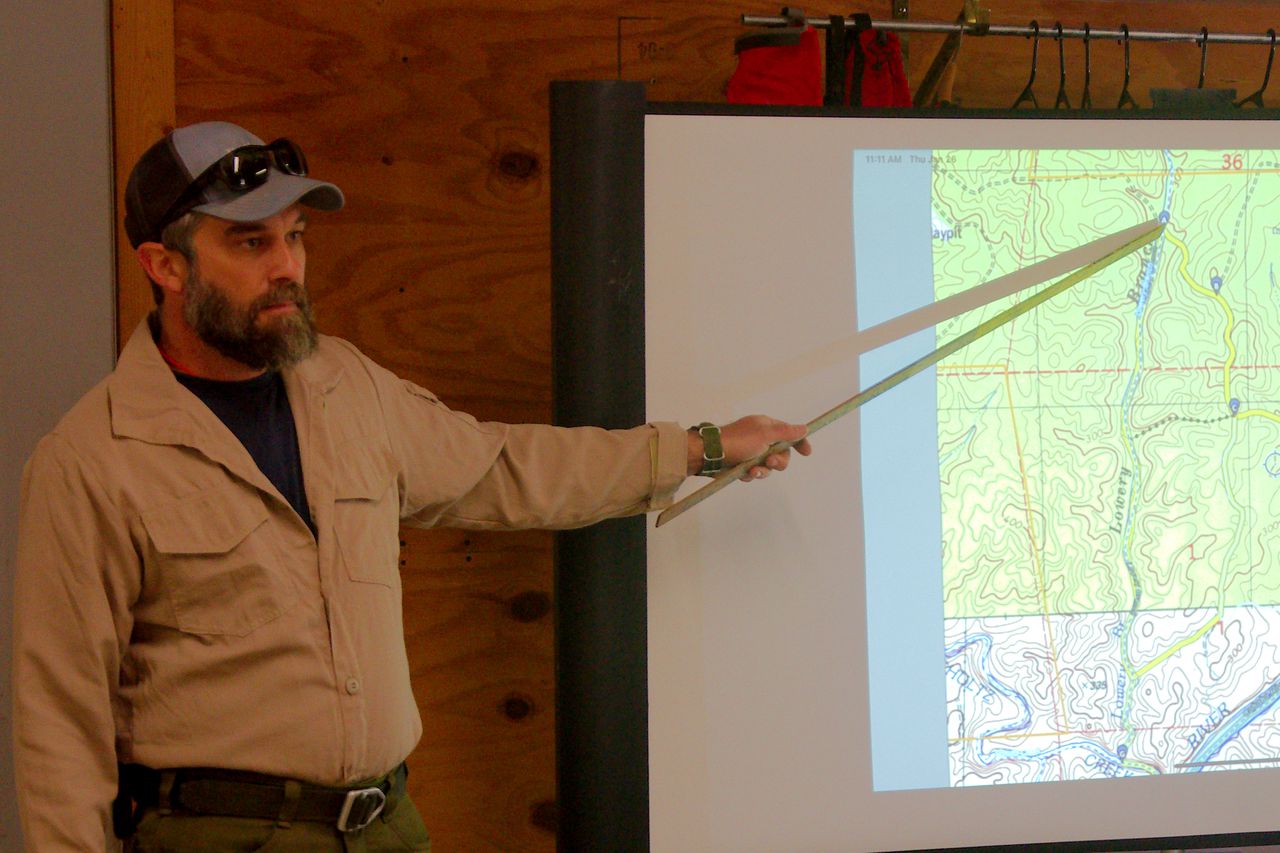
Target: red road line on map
<point x="1071" y="176"/>
<point x="957" y="371"/>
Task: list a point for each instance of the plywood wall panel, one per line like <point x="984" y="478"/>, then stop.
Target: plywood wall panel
<point x="477" y="615"/>
<point x="432" y="116"/>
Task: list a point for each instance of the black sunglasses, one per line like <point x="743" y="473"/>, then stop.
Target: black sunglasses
<point x="240" y="170"/>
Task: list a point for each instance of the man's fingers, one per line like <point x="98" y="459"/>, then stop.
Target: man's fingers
<point x="773" y="462"/>
<point x="796" y="433"/>
<point x="783" y="431"/>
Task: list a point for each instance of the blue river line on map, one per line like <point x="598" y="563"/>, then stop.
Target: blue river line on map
<point x="1099" y="756"/>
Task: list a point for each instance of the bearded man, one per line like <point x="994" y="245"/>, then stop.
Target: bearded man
<point x="208" y="645"/>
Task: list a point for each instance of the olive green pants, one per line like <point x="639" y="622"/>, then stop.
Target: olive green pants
<point x="182" y="833"/>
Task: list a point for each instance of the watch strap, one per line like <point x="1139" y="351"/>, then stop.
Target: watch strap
<point x="712" y="449"/>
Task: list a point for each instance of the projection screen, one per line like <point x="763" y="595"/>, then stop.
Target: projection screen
<point x="1028" y="596"/>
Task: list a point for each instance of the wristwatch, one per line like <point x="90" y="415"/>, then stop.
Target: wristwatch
<point x="712" y="449"/>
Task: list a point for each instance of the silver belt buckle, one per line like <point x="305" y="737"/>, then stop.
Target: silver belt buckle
<point x="360" y="808"/>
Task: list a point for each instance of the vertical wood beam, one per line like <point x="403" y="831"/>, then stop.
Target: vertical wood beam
<point x="142" y="100"/>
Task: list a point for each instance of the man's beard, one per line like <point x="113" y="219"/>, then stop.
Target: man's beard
<point x="236" y="333"/>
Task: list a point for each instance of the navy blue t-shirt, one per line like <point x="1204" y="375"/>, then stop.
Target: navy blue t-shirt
<point x="257" y="411"/>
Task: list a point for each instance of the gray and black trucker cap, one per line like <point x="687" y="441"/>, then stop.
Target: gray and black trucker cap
<point x="167" y="168"/>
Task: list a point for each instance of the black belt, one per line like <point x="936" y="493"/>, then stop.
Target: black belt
<point x="233" y="793"/>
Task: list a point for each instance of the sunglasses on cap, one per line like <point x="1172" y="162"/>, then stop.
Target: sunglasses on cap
<point x="239" y="171"/>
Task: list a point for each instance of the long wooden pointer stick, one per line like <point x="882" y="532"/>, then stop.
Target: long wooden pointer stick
<point x="724" y="478"/>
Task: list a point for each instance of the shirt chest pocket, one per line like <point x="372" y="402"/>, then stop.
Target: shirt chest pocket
<point x="366" y="514"/>
<point x="216" y="564"/>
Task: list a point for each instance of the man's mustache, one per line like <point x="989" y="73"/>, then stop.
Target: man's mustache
<point x="292" y="291"/>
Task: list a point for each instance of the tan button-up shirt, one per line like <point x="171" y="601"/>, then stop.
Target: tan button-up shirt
<point x="172" y="609"/>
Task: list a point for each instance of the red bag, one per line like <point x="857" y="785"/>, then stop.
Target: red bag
<point x="778" y="67"/>
<point x="884" y="80"/>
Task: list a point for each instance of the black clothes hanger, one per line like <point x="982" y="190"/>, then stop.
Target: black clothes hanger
<point x="1061" y="100"/>
<point x="849" y="51"/>
<point x="1035" y="53"/>
<point x="1204" y="54"/>
<point x="1125" y="97"/>
<point x="1256" y="97"/>
<point x="1086" y="102"/>
<point x="837" y="54"/>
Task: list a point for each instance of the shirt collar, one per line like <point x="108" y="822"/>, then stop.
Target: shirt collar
<point x="149" y="404"/>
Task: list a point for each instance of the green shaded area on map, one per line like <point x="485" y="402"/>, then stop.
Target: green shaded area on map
<point x="1117" y="449"/>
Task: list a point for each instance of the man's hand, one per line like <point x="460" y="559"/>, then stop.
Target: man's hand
<point x="747" y="438"/>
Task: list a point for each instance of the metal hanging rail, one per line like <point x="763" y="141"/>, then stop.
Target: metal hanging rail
<point x="1203" y="36"/>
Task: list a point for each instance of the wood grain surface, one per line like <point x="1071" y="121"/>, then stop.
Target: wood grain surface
<point x="432" y="117"/>
<point x="142" y="112"/>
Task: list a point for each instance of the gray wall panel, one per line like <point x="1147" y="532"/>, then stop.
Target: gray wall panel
<point x="57" y="322"/>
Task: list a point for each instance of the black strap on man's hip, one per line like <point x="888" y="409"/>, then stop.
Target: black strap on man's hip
<point x="232" y="793"/>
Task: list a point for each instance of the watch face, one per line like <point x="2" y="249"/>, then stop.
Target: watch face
<point x="712" y="449"/>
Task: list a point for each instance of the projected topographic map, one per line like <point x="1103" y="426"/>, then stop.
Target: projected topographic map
<point x="1110" y="469"/>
